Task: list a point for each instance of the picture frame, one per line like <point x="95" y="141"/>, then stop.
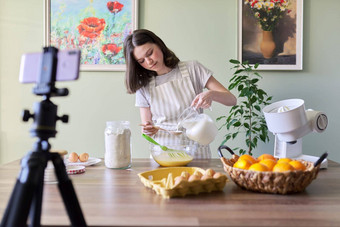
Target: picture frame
<point x="97" y="28"/>
<point x="258" y="29"/>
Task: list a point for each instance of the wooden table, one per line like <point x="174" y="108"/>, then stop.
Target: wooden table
<point x="117" y="198"/>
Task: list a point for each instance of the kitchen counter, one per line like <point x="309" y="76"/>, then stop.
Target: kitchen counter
<point x="118" y="198"/>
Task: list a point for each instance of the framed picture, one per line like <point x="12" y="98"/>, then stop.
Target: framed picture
<point x="270" y="33"/>
<point x="97" y="28"/>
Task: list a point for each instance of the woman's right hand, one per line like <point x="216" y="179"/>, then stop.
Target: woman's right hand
<point x="149" y="129"/>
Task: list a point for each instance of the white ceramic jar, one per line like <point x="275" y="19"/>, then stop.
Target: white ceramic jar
<point x="117" y="145"/>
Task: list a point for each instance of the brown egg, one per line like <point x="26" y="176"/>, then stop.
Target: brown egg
<point x="209" y="172"/>
<point x="194" y="178"/>
<point x="179" y="179"/>
<point x="198" y="173"/>
<point x="185" y="174"/>
<point x="73" y="157"/>
<point x="84" y="157"/>
<point x="217" y="175"/>
<point x="206" y="177"/>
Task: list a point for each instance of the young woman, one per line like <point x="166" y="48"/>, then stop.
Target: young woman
<point x="165" y="86"/>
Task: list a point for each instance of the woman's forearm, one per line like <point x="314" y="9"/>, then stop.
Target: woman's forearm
<point x="223" y="97"/>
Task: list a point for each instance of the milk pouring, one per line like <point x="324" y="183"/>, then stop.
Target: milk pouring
<point x="199" y="127"/>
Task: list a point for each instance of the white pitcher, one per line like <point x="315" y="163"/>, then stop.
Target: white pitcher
<point x="199" y="127"/>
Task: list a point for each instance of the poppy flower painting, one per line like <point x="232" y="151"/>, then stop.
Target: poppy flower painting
<point x="97" y="28"/>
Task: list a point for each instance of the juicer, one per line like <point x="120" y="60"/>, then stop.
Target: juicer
<point x="289" y="122"/>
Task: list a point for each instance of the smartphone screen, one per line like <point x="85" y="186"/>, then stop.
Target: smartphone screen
<point x="67" y="66"/>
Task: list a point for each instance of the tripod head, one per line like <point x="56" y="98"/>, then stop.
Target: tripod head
<point x="45" y="112"/>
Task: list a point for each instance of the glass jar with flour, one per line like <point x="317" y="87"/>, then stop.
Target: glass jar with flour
<point x="118" y="145"/>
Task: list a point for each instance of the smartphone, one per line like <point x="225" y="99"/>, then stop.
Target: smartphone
<point x="67" y="66"/>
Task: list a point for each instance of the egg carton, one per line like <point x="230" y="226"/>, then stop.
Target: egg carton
<point x="163" y="183"/>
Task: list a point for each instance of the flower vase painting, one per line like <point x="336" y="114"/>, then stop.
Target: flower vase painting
<point x="270" y="33"/>
<point x="98" y="28"/>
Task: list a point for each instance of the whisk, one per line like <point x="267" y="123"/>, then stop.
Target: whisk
<point x="171" y="152"/>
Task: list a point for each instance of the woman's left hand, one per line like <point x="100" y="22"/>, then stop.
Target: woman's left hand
<point x="149" y="129"/>
<point x="202" y="100"/>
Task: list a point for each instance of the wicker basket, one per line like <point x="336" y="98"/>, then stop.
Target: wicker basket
<point x="271" y="182"/>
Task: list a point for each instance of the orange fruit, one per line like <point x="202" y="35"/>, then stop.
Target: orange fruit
<point x="269" y="163"/>
<point x="284" y="160"/>
<point x="266" y="156"/>
<point x="242" y="164"/>
<point x="258" y="167"/>
<point x="248" y="157"/>
<point x="283" y="167"/>
<point x="298" y="165"/>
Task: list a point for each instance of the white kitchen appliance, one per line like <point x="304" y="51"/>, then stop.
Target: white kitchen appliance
<point x="289" y="122"/>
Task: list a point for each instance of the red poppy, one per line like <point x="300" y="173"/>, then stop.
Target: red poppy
<point x="111" y="49"/>
<point x="91" y="27"/>
<point x="253" y="3"/>
<point x="115" y="7"/>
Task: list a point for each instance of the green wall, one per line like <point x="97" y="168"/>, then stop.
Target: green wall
<point x="193" y="29"/>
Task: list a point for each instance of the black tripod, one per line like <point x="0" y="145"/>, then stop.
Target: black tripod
<point x="24" y="206"/>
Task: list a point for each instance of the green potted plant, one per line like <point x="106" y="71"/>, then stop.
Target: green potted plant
<point x="246" y="117"/>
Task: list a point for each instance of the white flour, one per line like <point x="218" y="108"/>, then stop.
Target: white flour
<point x="117" y="145"/>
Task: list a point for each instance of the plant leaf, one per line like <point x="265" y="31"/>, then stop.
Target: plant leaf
<point x="234" y="135"/>
<point x="236" y="124"/>
<point x="219" y="118"/>
<point x="238" y="71"/>
<point x="257" y="107"/>
<point x="234" y="61"/>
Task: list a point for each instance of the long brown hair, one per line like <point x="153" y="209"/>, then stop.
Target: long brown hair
<point x="136" y="76"/>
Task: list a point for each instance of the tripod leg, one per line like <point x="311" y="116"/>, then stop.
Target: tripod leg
<point x="35" y="211"/>
<point x="22" y="197"/>
<point x="68" y="193"/>
<point x="9" y="206"/>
